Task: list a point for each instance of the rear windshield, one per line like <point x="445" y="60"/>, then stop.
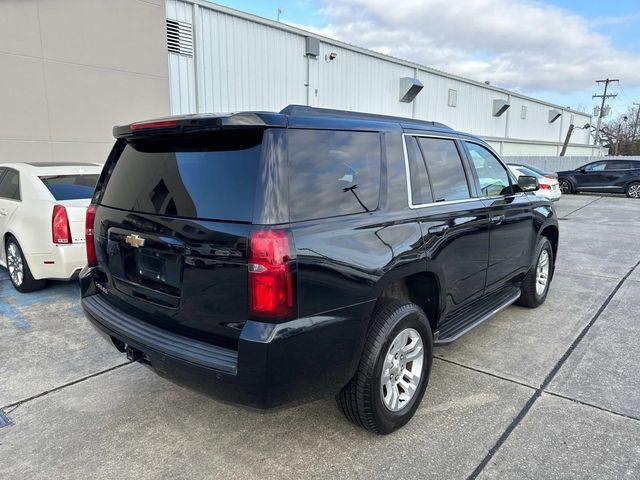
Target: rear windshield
<point x="70" y="187"/>
<point x="210" y="176"/>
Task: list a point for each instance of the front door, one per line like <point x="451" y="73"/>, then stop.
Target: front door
<point x="510" y="214"/>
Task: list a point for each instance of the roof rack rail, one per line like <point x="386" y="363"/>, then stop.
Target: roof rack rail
<point x="294" y="109"/>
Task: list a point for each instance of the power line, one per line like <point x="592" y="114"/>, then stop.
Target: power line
<point x="604" y="97"/>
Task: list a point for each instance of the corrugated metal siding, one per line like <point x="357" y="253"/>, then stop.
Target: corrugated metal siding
<point x="248" y="66"/>
<point x="244" y="64"/>
<point x="357" y="82"/>
<point x="182" y="80"/>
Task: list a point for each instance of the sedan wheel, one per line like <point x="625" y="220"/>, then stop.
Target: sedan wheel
<point x="15" y="265"/>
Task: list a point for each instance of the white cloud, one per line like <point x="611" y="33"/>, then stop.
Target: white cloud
<point x="516" y="44"/>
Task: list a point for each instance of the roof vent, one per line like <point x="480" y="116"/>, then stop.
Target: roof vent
<point x="554" y="115"/>
<point x="500" y="106"/>
<point x="180" y="38"/>
<point x="409" y="89"/>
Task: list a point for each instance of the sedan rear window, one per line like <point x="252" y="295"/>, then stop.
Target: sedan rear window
<point x="70" y="187"/>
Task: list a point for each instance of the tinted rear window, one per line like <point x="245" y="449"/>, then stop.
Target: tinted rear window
<point x="210" y="176"/>
<point x="70" y="187"/>
<point x="332" y="173"/>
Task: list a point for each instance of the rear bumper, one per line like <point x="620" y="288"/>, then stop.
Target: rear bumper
<point x="67" y="260"/>
<point x="275" y="364"/>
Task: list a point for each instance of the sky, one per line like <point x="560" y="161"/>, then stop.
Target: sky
<point x="553" y="50"/>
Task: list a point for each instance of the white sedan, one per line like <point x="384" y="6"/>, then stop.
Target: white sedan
<point x="549" y="187"/>
<point x="42" y="214"/>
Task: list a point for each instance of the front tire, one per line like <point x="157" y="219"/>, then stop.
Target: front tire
<point x="394" y="369"/>
<point x="535" y="285"/>
<point x="565" y="186"/>
<point x="633" y="190"/>
<point x="19" y="272"/>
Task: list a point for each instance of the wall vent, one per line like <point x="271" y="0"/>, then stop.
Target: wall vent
<point x="180" y="38"/>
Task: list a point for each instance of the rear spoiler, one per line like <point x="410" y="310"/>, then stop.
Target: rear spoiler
<point x="200" y="123"/>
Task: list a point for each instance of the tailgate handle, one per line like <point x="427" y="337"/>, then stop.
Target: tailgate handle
<point x="438" y="229"/>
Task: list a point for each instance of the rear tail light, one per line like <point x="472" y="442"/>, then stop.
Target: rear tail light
<point x="60" y="225"/>
<point x="271" y="282"/>
<point x="92" y="259"/>
<point x="544" y="186"/>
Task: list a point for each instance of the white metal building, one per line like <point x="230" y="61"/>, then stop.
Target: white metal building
<point x="63" y="89"/>
<point x="223" y="60"/>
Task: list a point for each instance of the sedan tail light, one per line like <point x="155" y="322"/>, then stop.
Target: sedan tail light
<point x="60" y="225"/>
<point x="92" y="259"/>
<point x="271" y="281"/>
<point x="544" y="186"/>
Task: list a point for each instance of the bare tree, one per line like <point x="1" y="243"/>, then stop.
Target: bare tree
<point x="622" y="133"/>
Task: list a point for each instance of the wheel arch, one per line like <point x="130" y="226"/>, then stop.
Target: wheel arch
<point x="419" y="287"/>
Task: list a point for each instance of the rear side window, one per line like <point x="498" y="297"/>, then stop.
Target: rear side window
<point x="10" y="185"/>
<point x="332" y="173"/>
<point x="444" y="165"/>
<point x="618" y="165"/>
<point x="211" y="176"/>
<point x="70" y="187"/>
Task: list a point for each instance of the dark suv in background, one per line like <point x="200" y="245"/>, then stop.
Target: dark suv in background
<point x="264" y="258"/>
<point x="604" y="176"/>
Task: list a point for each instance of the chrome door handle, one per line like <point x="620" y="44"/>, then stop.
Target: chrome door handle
<point x="497" y="219"/>
<point x="438" y="230"/>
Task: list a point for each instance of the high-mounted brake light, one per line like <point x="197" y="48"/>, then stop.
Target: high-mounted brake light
<point x="271" y="283"/>
<point x="60" y="225"/>
<point x="89" y="239"/>
<point x="154" y="124"/>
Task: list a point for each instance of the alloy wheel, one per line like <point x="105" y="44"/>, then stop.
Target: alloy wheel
<point x="564" y="186"/>
<point x="402" y="369"/>
<point x="634" y="191"/>
<point x="542" y="272"/>
<point x="15" y="264"/>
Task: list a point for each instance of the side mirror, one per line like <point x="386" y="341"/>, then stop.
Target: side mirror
<point x="528" y="184"/>
<point x="582" y="169"/>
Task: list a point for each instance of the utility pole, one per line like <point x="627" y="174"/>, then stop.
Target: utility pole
<point x="635" y="124"/>
<point x="604" y="97"/>
<point x="566" y="140"/>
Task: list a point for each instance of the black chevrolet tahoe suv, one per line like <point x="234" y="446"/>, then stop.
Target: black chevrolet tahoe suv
<point x="266" y="258"/>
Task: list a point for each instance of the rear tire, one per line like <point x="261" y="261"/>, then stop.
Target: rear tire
<point x="633" y="190"/>
<point x="19" y="272"/>
<point x="565" y="186"/>
<point x="384" y="394"/>
<point x="535" y="285"/>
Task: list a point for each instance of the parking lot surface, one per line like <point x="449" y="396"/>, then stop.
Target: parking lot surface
<point x="546" y="393"/>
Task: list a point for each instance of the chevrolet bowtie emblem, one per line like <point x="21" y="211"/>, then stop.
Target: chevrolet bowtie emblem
<point x="135" y="240"/>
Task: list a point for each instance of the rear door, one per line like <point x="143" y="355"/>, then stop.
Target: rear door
<point x="453" y="220"/>
<point x="510" y="215"/>
<point x="9" y="199"/>
<point x="172" y="223"/>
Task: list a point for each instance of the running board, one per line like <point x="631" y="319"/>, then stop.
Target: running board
<point x="461" y="321"/>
